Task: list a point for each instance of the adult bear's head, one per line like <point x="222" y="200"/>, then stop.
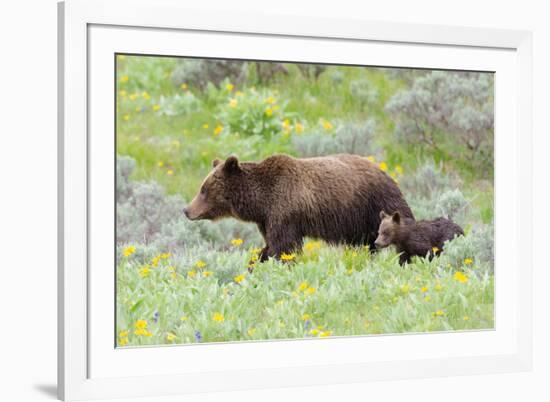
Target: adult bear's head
<point x="214" y="199"/>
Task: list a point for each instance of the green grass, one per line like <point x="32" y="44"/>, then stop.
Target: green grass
<point x="326" y="291"/>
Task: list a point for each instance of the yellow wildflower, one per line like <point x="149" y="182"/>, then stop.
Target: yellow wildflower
<point x="128" y="251"/>
<point x="427" y="298"/>
<point x="229" y="87"/>
<point x="155" y="261"/>
<point x="170" y="172"/>
<point x="270" y="100"/>
<point x="183" y="318"/>
<point x="371" y="158"/>
<point x="165" y="256"/>
<point x="143" y="332"/>
<point x="310" y="290"/>
<point x="206" y="274"/>
<point x="299" y="127"/>
<point x="156" y="108"/>
<point x="133" y="96"/>
<point x="218" y="317"/>
<point x="460" y="277"/>
<point x="256" y="250"/>
<point x="286" y="125"/>
<point x="324" y="334"/>
<point x="184" y="86"/>
<point x="439" y="313"/>
<point x="312" y="245"/>
<point x="122" y="93"/>
<point x="269" y="112"/>
<point x="327" y="125"/>
<point x="438" y="287"/>
<point x="170" y="337"/>
<point x="302" y="286"/>
<point x="239" y="93"/>
<point x="424" y="289"/>
<point x="398" y="169"/>
<point x="121" y="57"/>
<point x="405" y="288"/>
<point x="200" y="264"/>
<point x="123" y="341"/>
<point x="306" y="317"/>
<point x="126" y="117"/>
<point x="468" y="261"/>
<point x="205" y="125"/>
<point x="218" y="129"/>
<point x="435" y="250"/>
<point x="192" y="274"/>
<point x="383" y="166"/>
<point x="144" y="271"/>
<point x="140" y="324"/>
<point x="233" y="102"/>
<point x="239" y="278"/>
<point x="145" y="95"/>
<point x="465" y="318"/>
<point x="287" y="257"/>
<point x="314" y="332"/>
<point x="251" y="331"/>
<point x="124" y="78"/>
<point x="237" y="242"/>
<point x="123" y="334"/>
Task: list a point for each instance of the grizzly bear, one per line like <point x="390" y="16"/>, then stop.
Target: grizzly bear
<point x="335" y="198"/>
<point x="412" y="238"/>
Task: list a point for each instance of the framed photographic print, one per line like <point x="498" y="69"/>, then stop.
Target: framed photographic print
<point x="290" y="204"/>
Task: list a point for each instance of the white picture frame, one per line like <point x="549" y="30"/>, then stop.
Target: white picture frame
<point x="89" y="366"/>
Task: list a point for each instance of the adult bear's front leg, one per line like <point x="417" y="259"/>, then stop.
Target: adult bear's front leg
<point x="283" y="239"/>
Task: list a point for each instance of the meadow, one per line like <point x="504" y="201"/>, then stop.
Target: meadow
<point x="183" y="282"/>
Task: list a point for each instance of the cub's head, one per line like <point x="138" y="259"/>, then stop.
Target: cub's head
<point x="214" y="198"/>
<point x="389" y="224"/>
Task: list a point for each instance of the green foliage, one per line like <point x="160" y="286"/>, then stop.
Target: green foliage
<point x="255" y="112"/>
<point x="327" y="292"/>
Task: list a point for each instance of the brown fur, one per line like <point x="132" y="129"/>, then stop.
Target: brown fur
<point x="335" y="198"/>
<point x="415" y="238"/>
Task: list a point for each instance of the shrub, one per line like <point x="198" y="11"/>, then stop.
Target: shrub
<point x="348" y="138"/>
<point x="179" y="104"/>
<point x="446" y="105"/>
<point x="200" y="72"/>
<point x="363" y="91"/>
<point x="432" y="193"/>
<point x="311" y="71"/>
<point x="124" y="168"/>
<point x="477" y="245"/>
<point x="267" y="71"/>
<point x="255" y="113"/>
<point x="145" y="214"/>
<point x="428" y="180"/>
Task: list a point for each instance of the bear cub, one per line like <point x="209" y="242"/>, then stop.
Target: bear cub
<point x="412" y="238"/>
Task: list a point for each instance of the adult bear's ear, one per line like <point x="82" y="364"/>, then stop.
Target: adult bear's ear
<point x="396" y="217"/>
<point x="382" y="214"/>
<point x="231" y="165"/>
<point x="216" y="162"/>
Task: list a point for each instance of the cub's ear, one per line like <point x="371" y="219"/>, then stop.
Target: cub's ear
<point x="231" y="165"/>
<point x="383" y="214"/>
<point x="216" y="162"/>
<point x="396" y="217"/>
